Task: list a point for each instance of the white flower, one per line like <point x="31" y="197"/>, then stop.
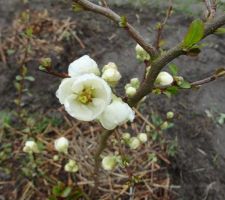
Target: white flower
<point x="71" y="166"/>
<point x="84" y="97"/>
<point x="117" y="113"/>
<point x="134" y="143"/>
<point x="109" y="162"/>
<point x="142" y="137"/>
<point x="30" y="147"/>
<point x="141" y="54"/>
<point x="83" y="65"/>
<point x="131" y="91"/>
<point x="164" y="79"/>
<point x="61" y="145"/>
<point x="111" y="76"/>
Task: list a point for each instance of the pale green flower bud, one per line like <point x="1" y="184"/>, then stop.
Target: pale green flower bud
<point x="55" y="157"/>
<point x="164" y="125"/>
<point x="111" y="76"/>
<point x="110" y="65"/>
<point x="135" y="82"/>
<point x="61" y="145"/>
<point x="126" y="136"/>
<point x="142" y="137"/>
<point x="30" y="147"/>
<point x="71" y="166"/>
<point x="170" y="115"/>
<point x="178" y="79"/>
<point x="131" y="91"/>
<point x="141" y="54"/>
<point x="109" y="162"/>
<point x="134" y="143"/>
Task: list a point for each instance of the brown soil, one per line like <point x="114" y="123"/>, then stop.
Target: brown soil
<point x="198" y="169"/>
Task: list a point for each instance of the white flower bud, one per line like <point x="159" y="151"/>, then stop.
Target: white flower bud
<point x="111" y="76"/>
<point x="142" y="137"/>
<point x="163" y="79"/>
<point x="135" y="82"/>
<point x="141" y="54"/>
<point x="71" y="166"/>
<point x="126" y="136"/>
<point x="130" y="91"/>
<point x="170" y="115"/>
<point x="56" y="157"/>
<point x="30" y="147"/>
<point x="134" y="143"/>
<point x="110" y="65"/>
<point x="109" y="162"/>
<point x="61" y="145"/>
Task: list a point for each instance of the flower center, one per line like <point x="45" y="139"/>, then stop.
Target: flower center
<point x="86" y="95"/>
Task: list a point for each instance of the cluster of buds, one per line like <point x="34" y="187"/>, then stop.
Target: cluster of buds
<point x="71" y="166"/>
<point x="134" y="142"/>
<point x="131" y="88"/>
<point x="30" y="147"/>
<point x="141" y="54"/>
<point x="111" y="74"/>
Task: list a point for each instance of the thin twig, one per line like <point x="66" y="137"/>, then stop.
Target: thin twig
<point x="211" y="7"/>
<point x="162" y="25"/>
<point x="102" y="145"/>
<point x="208" y="79"/>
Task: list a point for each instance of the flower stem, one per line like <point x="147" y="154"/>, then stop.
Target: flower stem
<point x="102" y="145"/>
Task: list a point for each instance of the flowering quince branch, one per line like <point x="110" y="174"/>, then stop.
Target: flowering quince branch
<point x="87" y="5"/>
<point x="160" y="62"/>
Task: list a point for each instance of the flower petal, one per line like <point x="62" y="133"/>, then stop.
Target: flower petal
<point x="83" y="65"/>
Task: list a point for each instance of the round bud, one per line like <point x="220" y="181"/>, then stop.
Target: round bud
<point x="164" y="79"/>
<point x="112" y="76"/>
<point x="143" y="137"/>
<point x="134" y="143"/>
<point x="61" y="145"/>
<point x="109" y="162"/>
<point x="131" y="91"/>
<point x="170" y="115"/>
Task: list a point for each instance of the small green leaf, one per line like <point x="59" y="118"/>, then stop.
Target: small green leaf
<point x="173" y="69"/>
<point x="19" y="78"/>
<point x="66" y="192"/>
<point x="185" y="85"/>
<point x="194" y="34"/>
<point x="77" y="7"/>
<point x="220" y="31"/>
<point x="172" y="89"/>
<point x="30" y="78"/>
<point x="123" y="22"/>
